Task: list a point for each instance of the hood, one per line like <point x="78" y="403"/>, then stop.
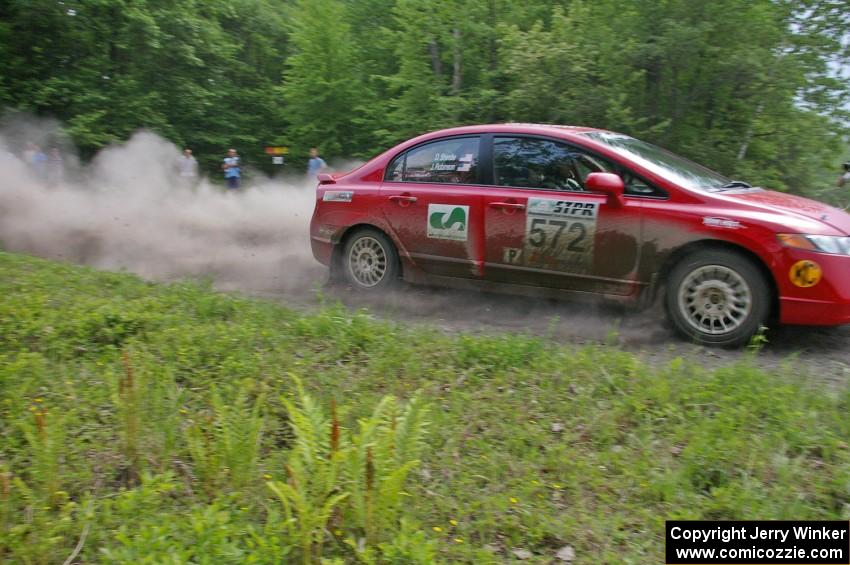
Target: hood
<point x="793" y="205"/>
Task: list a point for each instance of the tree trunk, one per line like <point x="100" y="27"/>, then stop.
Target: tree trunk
<point x="436" y="64"/>
<point x="748" y="136"/>
<point x="457" y="71"/>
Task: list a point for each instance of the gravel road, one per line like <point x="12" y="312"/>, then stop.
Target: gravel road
<point x="821" y="355"/>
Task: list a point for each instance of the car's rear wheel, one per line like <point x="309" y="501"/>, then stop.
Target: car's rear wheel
<point x="717" y="297"/>
<point x="370" y="260"/>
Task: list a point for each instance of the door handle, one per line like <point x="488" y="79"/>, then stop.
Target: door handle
<point x="401" y="199"/>
<point x="507" y="205"/>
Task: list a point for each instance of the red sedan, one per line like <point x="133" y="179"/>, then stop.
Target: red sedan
<point x="547" y="210"/>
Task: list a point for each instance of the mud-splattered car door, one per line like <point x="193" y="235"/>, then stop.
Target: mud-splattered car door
<point x="431" y="200"/>
<point x="544" y="229"/>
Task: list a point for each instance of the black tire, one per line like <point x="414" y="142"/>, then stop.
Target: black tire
<point x="369" y="260"/>
<point x="717" y="298"/>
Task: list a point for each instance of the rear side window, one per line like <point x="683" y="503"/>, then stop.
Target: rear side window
<point x="451" y="161"/>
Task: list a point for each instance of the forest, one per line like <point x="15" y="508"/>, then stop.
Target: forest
<point x="756" y="89"/>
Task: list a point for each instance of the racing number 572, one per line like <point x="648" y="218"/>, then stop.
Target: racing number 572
<point x="542" y="227"/>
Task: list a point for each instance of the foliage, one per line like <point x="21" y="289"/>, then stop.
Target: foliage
<point x="351" y="484"/>
<point x="198" y="73"/>
<point x="212" y="373"/>
<point x="749" y="88"/>
<point x="225" y="445"/>
<point x="322" y="79"/>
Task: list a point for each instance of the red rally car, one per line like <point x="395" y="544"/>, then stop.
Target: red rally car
<point x="547" y="210"/>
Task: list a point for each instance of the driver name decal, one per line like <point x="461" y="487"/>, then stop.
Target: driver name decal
<point x="559" y="234"/>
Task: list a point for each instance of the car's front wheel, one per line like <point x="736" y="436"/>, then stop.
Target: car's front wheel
<point x="370" y="260"/>
<point x="717" y="297"/>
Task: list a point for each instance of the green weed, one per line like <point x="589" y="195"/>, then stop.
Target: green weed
<point x="349" y="486"/>
<point x="225" y="444"/>
<point x="530" y="444"/>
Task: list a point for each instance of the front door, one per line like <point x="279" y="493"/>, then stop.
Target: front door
<point x="544" y="229"/>
<point x="432" y="203"/>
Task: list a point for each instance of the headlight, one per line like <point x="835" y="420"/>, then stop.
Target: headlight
<point x="823" y="243"/>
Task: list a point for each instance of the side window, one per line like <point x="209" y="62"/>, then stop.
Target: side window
<point x="529" y="162"/>
<point x="636" y="186"/>
<point x="453" y="161"/>
<point x="396" y="169"/>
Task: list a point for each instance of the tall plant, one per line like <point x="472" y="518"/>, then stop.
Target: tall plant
<point x="352" y="483"/>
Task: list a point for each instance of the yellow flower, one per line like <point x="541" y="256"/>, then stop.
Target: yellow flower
<point x="453" y="522"/>
<point x="514" y="500"/>
<point x="458" y="540"/>
<point x="267" y="476"/>
<point x="39" y="400"/>
<point x="437" y="529"/>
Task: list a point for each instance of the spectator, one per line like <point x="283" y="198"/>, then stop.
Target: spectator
<point x="232" y="170"/>
<point x="316" y="164"/>
<point x="188" y="167"/>
<point x="844" y="179"/>
<point x="29" y="153"/>
<point x="39" y="163"/>
<point x="55" y="167"/>
<point x="35" y="159"/>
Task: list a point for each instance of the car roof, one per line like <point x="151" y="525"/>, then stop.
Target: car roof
<point x="562" y="131"/>
<point x="513" y="127"/>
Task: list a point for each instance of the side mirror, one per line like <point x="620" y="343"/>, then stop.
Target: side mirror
<point x="607" y="183"/>
<point x="326" y="178"/>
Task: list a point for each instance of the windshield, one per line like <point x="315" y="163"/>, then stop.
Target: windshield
<point x="661" y="162"/>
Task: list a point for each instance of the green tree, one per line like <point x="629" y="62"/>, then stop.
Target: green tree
<point x="747" y="87"/>
<point x="323" y="86"/>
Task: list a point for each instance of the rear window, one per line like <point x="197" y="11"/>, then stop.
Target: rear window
<point x="450" y="161"/>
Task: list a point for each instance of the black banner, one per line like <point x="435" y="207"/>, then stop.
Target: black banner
<point x="697" y="542"/>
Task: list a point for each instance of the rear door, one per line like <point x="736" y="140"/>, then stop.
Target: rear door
<point x="544" y="229"/>
<point x="431" y="200"/>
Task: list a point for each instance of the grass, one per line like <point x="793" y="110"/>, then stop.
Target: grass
<point x="146" y="423"/>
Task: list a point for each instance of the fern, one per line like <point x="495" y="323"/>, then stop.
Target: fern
<point x="226" y="451"/>
<point x="355" y="480"/>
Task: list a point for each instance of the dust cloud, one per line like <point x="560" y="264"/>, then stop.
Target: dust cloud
<point x="129" y="210"/>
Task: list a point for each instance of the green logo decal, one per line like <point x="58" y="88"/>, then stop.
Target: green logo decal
<point x="446" y="221"/>
<point x="457" y="216"/>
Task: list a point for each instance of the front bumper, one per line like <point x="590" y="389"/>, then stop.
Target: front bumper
<point x="802" y="312"/>
<point x="825" y="304"/>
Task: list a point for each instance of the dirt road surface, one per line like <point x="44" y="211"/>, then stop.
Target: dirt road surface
<point x="820" y="355"/>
